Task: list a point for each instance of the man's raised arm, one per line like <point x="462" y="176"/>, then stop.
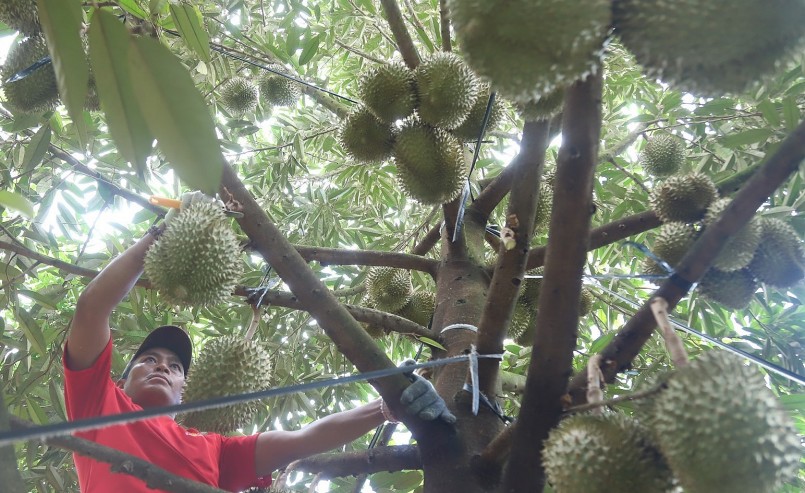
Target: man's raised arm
<point x="89" y="332"/>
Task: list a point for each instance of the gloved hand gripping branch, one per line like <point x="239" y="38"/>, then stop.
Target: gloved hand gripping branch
<point x="421" y="399"/>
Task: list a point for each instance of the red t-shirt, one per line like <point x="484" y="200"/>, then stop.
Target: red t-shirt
<point x="225" y="462"/>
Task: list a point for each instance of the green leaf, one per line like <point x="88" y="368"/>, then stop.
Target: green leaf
<point x="791" y="113"/>
<point x="794" y="402"/>
<point x="769" y="111"/>
<point x="156" y="6"/>
<point x="32" y="331"/>
<point x="36" y="149"/>
<point x="62" y="23"/>
<point x="746" y="137"/>
<point x="132" y="7"/>
<point x="431" y="342"/>
<point x="17" y="202"/>
<point x="109" y="46"/>
<point x="177" y="114"/>
<point x="188" y="21"/>
<point x="310" y="49"/>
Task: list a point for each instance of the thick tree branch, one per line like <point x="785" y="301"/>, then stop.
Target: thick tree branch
<point x="347" y="334"/>
<point x="557" y="322"/>
<point x="508" y="274"/>
<point x="336" y="256"/>
<point x="397" y="458"/>
<point x="153" y="476"/>
<point x="428" y="241"/>
<point x="444" y="25"/>
<point x="619" y="353"/>
<point x="397" y="24"/>
<point x="389" y="322"/>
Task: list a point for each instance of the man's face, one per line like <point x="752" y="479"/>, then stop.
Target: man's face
<point x="155" y="379"/>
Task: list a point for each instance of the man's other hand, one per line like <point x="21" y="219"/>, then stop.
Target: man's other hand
<point x="420" y="399"/>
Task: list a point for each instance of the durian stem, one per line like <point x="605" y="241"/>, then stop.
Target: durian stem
<point x="674" y="344"/>
<point x="634" y="396"/>
<point x="594" y="377"/>
<point x="397" y="24"/>
<point x="444" y="25"/>
<point x="254" y="323"/>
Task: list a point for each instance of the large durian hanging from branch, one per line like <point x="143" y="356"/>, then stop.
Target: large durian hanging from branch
<point x="238" y="95"/>
<point x="277" y="89"/>
<point x="528" y="48"/>
<point x="683" y="198"/>
<point x="663" y="155"/>
<point x="722" y="430"/>
<point x="196" y="260"/>
<point x="446" y="90"/>
<point x="37" y="92"/>
<point x="779" y="260"/>
<point x="227" y="365"/>
<point x="388" y="288"/>
<point x="20" y="15"/>
<point x="711" y="47"/>
<point x="388" y="91"/>
<point x="365" y="137"/>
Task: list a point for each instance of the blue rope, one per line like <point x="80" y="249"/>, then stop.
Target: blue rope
<point x="69" y="427"/>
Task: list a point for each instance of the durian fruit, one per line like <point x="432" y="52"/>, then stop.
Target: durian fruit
<point x="663" y="155"/>
<point x="388" y="91"/>
<point x="20" y="15"/>
<point x="542" y="108"/>
<point x="722" y="430"/>
<point x="604" y="454"/>
<point x="196" y="260"/>
<point x="522" y="325"/>
<point x="389" y="288"/>
<point x="420" y="308"/>
<point x="683" y="198"/>
<point x="446" y="90"/>
<point x="430" y="163"/>
<point x="673" y="241"/>
<point x="779" y="260"/>
<point x="586" y="300"/>
<point x="529" y="289"/>
<point x="238" y="95"/>
<point x="228" y="365"/>
<point x="544" y="207"/>
<point x="38" y="91"/>
<point x="470" y="129"/>
<point x="364" y="137"/>
<point x="733" y="289"/>
<point x="740" y="249"/>
<point x="528" y="48"/>
<point x="711" y="48"/>
<point x="278" y="90"/>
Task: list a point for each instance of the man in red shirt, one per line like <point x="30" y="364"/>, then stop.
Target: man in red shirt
<point x="155" y="377"/>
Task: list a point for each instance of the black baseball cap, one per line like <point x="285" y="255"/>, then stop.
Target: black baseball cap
<point x="170" y="337"/>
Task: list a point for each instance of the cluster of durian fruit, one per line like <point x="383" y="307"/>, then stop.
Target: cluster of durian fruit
<point x="391" y="290"/>
<point x="240" y="95"/>
<point x="528" y="49"/>
<point x="37" y="91"/>
<point x="713" y="427"/>
<point x="767" y="250"/>
<point x="420" y="118"/>
<point x="523" y="323"/>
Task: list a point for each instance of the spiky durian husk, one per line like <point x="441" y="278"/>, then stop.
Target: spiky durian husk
<point x="38" y="91"/>
<point x="542" y="108"/>
<point x="196" y="260"/>
<point x="420" y="308"/>
<point x="604" y="454"/>
<point x="529" y="290"/>
<point x="470" y="129"/>
<point x="740" y="249"/>
<point x="714" y="47"/>
<point x="364" y="137"/>
<point x="430" y="163"/>
<point x="20" y="15"/>
<point x="733" y="289"/>
<point x="673" y="241"/>
<point x="722" y="430"/>
<point x="228" y="365"/>
<point x="278" y="90"/>
<point x="522" y="325"/>
<point x="779" y="260"/>
<point x="528" y="48"/>
<point x="238" y="95"/>
<point x="586" y="300"/>
<point x="542" y="216"/>
<point x="446" y="90"/>
<point x="388" y="91"/>
<point x="683" y="198"/>
<point x="389" y="288"/>
<point x="663" y="155"/>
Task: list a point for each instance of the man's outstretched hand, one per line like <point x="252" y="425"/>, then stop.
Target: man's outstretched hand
<point x="420" y="399"/>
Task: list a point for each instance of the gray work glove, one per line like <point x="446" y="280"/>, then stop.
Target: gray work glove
<point x="188" y="199"/>
<point x="420" y="399"/>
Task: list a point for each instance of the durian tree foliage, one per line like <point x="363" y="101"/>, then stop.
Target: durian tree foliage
<point x="72" y="201"/>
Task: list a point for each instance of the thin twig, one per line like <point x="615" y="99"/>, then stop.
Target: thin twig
<point x="640" y="394"/>
<point x="358" y="52"/>
<point x="444" y="24"/>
